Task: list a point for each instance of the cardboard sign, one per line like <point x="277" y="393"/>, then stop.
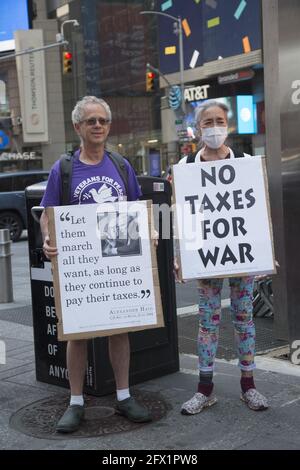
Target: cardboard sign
<point x="223" y="218"/>
<point x="105" y="275"/>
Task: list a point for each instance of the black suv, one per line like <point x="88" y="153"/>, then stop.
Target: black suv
<point x="12" y="199"/>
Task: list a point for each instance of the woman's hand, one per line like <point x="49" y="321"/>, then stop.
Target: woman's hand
<point x="155" y="237"/>
<point x="262" y="277"/>
<point x="176" y="269"/>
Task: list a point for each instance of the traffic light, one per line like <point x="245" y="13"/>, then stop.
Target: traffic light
<point x="67" y="62"/>
<point x="150" y="76"/>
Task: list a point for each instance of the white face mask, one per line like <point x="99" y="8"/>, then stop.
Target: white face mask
<point x="214" y="137"/>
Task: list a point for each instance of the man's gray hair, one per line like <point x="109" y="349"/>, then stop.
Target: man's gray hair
<point x="79" y="110"/>
<point x="210" y="104"/>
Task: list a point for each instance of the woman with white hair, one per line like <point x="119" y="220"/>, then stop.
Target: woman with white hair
<point x="212" y="124"/>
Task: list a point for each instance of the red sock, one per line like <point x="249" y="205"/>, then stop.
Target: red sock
<point x="205" y="389"/>
<point x="247" y="383"/>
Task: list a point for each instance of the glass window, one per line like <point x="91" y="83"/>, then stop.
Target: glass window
<point x="5" y="184"/>
<point x="21" y="182"/>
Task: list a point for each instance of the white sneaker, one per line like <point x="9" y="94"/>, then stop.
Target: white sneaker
<point x="197" y="404"/>
<point x="255" y="400"/>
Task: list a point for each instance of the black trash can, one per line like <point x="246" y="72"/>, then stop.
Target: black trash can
<point x="153" y="352"/>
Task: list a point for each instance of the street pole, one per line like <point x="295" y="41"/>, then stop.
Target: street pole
<point x="181" y="63"/>
<point x="180" y="43"/>
<point x="158" y="72"/>
<point x="30" y="51"/>
<point x="60" y="38"/>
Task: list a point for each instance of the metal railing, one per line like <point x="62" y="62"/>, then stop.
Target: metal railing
<point x="263" y="298"/>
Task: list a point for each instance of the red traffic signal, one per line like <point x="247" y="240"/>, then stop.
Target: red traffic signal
<point x="150" y="76"/>
<point x="67" y="62"/>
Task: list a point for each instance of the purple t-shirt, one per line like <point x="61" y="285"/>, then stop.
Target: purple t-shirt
<point x="92" y="183"/>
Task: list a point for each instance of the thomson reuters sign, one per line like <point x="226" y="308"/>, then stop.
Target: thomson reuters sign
<point x="32" y="86"/>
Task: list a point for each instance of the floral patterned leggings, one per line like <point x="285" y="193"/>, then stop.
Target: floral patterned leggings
<point x="210" y="316"/>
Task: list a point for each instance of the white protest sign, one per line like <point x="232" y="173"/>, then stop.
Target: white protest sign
<point x="105" y="275"/>
<point x="222" y="216"/>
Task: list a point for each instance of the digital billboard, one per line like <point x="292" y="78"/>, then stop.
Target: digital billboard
<point x="247" y="123"/>
<point x="14" y="15"/>
<point x="241" y="115"/>
<point x="211" y="29"/>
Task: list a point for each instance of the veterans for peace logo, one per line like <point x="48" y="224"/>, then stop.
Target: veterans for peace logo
<point x="98" y="191"/>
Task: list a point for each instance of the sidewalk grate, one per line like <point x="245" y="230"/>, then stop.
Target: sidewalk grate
<point x="39" y="418"/>
<point x="188" y="331"/>
<point x="20" y="315"/>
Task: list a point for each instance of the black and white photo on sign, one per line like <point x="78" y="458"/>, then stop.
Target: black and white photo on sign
<point x="119" y="234"/>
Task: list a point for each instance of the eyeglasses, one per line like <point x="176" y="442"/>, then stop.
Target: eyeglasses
<point x="93" y="121"/>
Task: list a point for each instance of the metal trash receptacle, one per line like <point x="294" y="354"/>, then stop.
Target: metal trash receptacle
<point x="6" y="285"/>
<point x="154" y="353"/>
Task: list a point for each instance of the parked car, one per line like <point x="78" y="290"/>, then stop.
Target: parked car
<point x="12" y="199"/>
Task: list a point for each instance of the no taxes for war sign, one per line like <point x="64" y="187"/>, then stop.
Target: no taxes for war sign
<point x="223" y="218"/>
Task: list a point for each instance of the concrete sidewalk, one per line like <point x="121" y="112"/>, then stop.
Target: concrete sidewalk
<point x="228" y="425"/>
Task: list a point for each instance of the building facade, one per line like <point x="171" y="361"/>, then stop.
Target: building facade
<point x="110" y="51"/>
<point x="222" y="49"/>
<point x="16" y="151"/>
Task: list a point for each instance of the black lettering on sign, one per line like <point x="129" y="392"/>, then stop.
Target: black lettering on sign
<point x="209" y="257"/>
<point x="218" y="230"/>
<point x="245" y="250"/>
<point x="238" y="200"/>
<point x="223" y="201"/>
<point x="205" y="228"/>
<point x="207" y="204"/>
<point x="222" y="174"/>
<point x="210" y="177"/>
<point x="228" y="256"/>
<point x="64" y="217"/>
<point x="249" y="196"/>
<point x="238" y="225"/>
<point x="191" y="200"/>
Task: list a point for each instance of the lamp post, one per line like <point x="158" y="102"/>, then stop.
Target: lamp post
<point x="177" y="19"/>
<point x="61" y="36"/>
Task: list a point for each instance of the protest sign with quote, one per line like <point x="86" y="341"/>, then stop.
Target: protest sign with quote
<point x="223" y="218"/>
<point x="105" y="275"/>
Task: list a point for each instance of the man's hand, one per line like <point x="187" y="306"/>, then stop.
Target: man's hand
<point x="49" y="251"/>
<point x="262" y="277"/>
<point x="176" y="269"/>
